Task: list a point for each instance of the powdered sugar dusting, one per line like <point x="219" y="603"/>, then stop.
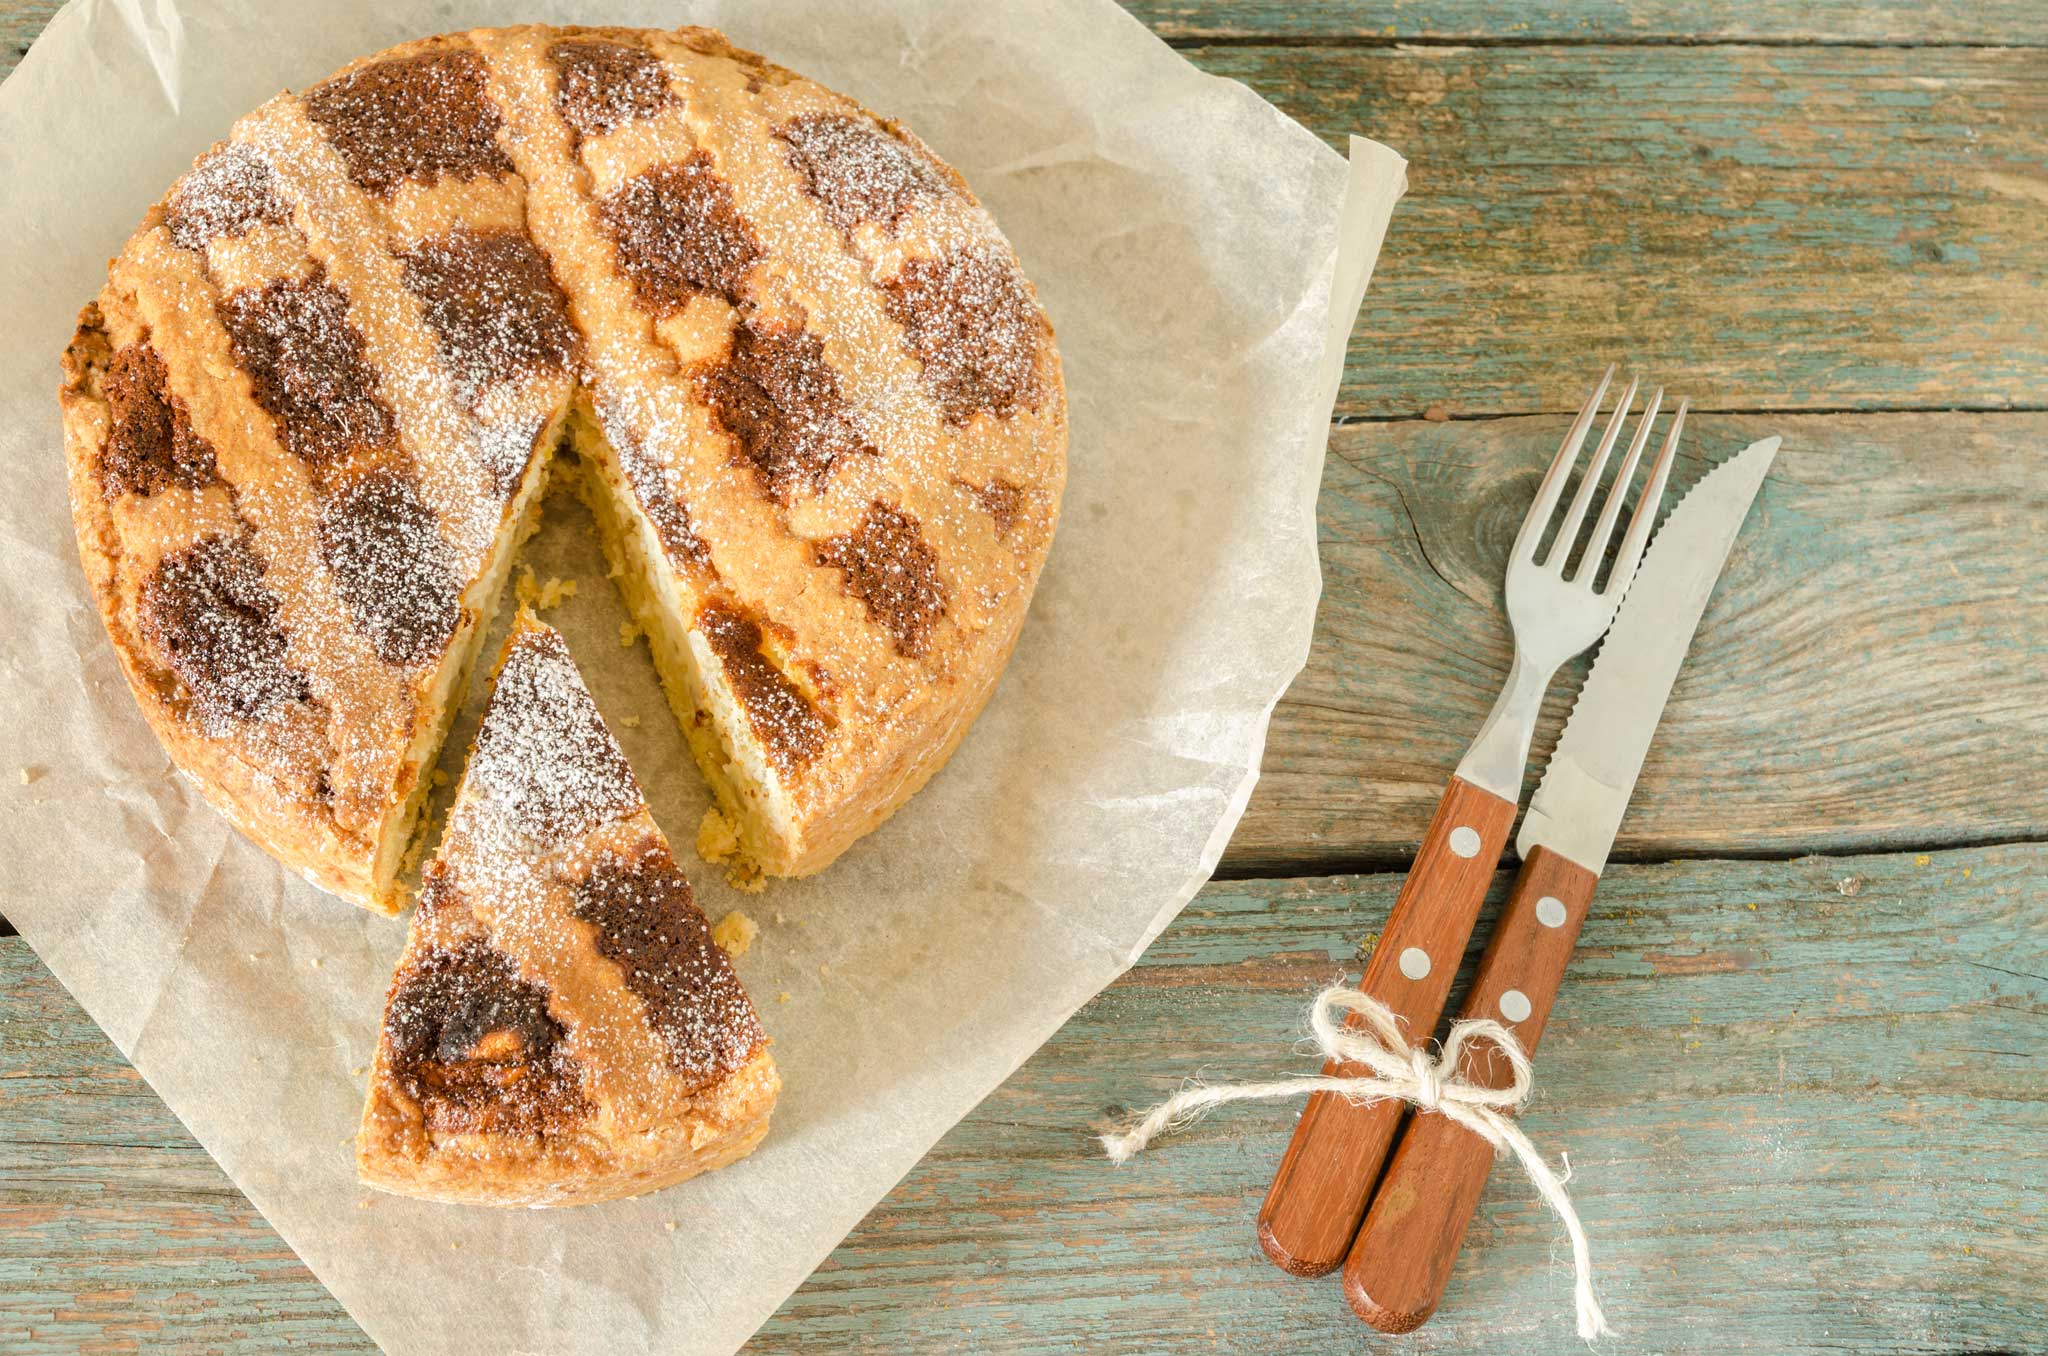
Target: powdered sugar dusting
<point x="543" y="755"/>
<point x="604" y="84"/>
<point x="778" y="399"/>
<point x="891" y="569"/>
<point x="971" y="321"/>
<point x="648" y="924"/>
<point x="678" y="234"/>
<point x="491" y="299"/>
<point x="206" y="610"/>
<point x="307" y="368"/>
<point x="411" y="118"/>
<point x="383" y="546"/>
<point x="857" y="171"/>
<point x="229" y="190"/>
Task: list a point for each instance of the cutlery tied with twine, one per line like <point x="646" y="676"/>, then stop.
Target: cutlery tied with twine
<point x="1407" y="1073"/>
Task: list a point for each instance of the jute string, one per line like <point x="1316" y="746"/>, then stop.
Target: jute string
<point x="1407" y="1073"/>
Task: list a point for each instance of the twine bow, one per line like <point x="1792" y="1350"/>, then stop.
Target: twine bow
<point x="1406" y="1073"/>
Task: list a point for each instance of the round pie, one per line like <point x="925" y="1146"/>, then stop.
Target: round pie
<point x="771" y="338"/>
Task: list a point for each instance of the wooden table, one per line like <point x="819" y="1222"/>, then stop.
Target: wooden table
<point x="1800" y="1065"/>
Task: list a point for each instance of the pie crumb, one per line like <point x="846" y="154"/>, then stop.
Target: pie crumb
<point x="735" y="933"/>
<point x="717" y="836"/>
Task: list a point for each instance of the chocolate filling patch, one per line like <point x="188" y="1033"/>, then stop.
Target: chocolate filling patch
<point x="778" y="400"/>
<point x="971" y="321"/>
<point x="607" y="84"/>
<point x="492" y="300"/>
<point x="383" y="545"/>
<point x="1001" y="501"/>
<point x="894" y="574"/>
<point x="207" y="612"/>
<point x="678" y="234"/>
<point x="781" y="716"/>
<point x="544" y="755"/>
<point x="307" y="368"/>
<point x="647" y="923"/>
<point x="229" y="190"/>
<point x="857" y="171"/>
<point x="413" y="118"/>
<point x="475" y="1045"/>
<point x="151" y="446"/>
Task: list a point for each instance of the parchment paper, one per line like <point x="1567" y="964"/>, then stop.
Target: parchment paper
<point x="1202" y="258"/>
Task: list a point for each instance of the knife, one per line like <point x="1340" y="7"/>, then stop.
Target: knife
<point x="1403" y="1255"/>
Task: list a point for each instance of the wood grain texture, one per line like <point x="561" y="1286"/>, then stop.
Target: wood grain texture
<point x="1776" y="1081"/>
<point x="1322" y="1182"/>
<point x="1997" y="23"/>
<point x="1788" y="228"/>
<point x="1404" y="1254"/>
<point x="1986" y="22"/>
<point x="1868" y="675"/>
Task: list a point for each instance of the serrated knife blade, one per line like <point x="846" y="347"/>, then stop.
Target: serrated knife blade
<point x="1585" y="790"/>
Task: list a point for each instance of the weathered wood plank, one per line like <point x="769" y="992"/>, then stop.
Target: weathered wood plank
<point x="1869" y="675"/>
<point x="1984" y="22"/>
<point x="1790" y="228"/>
<point x="1804" y="1101"/>
<point x="1998" y="23"/>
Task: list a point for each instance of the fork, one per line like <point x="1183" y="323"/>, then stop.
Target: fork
<point x="1319" y="1194"/>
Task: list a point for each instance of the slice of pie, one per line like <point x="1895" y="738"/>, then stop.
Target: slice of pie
<point x="562" y="1028"/>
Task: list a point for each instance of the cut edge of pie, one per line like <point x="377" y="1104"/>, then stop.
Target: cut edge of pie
<point x="561" y="1028"/>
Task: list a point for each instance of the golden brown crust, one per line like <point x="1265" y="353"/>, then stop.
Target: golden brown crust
<point x="825" y="389"/>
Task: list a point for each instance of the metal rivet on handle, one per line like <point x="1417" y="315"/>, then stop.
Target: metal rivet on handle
<point x="1514" y="1005"/>
<point x="1550" y="911"/>
<point x="1415" y="963"/>
<point x="1465" y="841"/>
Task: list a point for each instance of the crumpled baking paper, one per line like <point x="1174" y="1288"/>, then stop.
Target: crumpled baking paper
<point x="1202" y="258"/>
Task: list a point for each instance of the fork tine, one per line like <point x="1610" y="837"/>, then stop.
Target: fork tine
<point x="1560" y="470"/>
<point x="1646" y="512"/>
<point x="1575" y="516"/>
<point x="1617" y="494"/>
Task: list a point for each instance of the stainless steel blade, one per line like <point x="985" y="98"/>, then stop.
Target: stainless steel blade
<point x="1585" y="789"/>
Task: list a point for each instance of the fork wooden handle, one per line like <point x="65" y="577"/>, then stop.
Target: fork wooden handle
<point x="1403" y="1256"/>
<point x="1318" y="1195"/>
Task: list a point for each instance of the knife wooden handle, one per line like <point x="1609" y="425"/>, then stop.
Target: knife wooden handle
<point x="1318" y="1195"/>
<point x="1403" y="1256"/>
